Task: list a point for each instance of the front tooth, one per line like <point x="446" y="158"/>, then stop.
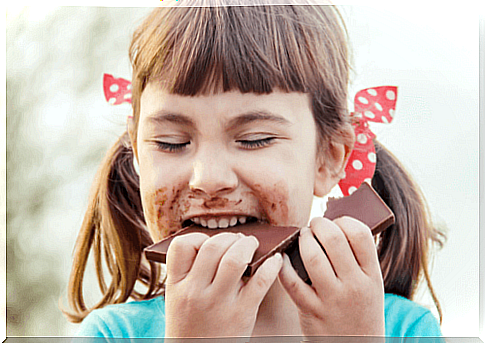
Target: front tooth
<point x="233" y="221"/>
<point x="203" y="222"/>
<point x="196" y="220"/>
<point x="223" y="223"/>
<point x="212" y="223"/>
<point x="242" y="220"/>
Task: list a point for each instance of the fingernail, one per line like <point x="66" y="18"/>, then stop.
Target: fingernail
<point x="257" y="242"/>
<point x="277" y="259"/>
<point x="304" y="230"/>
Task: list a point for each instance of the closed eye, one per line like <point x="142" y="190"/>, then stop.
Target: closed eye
<point x="255" y="144"/>
<point x="170" y="147"/>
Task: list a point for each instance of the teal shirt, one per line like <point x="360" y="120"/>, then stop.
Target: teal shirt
<point x="137" y="319"/>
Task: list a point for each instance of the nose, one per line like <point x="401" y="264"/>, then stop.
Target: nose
<point x="212" y="176"/>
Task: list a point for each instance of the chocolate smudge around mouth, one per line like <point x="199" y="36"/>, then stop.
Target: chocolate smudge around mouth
<point x="273" y="202"/>
<point x="164" y="210"/>
<point x="215" y="203"/>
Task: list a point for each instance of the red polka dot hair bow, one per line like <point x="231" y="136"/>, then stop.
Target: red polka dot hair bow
<point x="116" y="90"/>
<point x="378" y="105"/>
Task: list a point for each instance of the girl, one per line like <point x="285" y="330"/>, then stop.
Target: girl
<point x="239" y="114"/>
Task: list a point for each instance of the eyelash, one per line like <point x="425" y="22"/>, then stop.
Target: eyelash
<point x="259" y="143"/>
<point x="169" y="147"/>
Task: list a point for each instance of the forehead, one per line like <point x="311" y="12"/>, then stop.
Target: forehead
<point x="292" y="106"/>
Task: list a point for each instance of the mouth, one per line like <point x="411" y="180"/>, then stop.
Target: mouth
<point x="219" y="222"/>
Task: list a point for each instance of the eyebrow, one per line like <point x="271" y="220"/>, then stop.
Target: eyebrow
<point x="254" y="116"/>
<point x="163" y="116"/>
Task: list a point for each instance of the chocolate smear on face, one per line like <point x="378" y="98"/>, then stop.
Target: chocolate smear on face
<point x="273" y="202"/>
<point x="216" y="202"/>
<point x="164" y="212"/>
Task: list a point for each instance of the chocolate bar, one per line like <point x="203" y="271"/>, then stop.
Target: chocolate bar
<point x="364" y="204"/>
<point x="272" y="239"/>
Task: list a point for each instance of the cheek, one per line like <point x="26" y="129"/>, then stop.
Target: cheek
<point x="163" y="212"/>
<point x="274" y="200"/>
<point x="161" y="195"/>
<point x="287" y="201"/>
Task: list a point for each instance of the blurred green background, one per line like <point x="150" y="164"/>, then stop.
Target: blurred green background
<point x="58" y="129"/>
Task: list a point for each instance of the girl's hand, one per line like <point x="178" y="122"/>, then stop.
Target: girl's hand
<point x="347" y="292"/>
<point x="205" y="295"/>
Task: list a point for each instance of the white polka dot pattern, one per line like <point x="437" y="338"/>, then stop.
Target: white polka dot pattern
<point x="357" y="165"/>
<point x="369" y="114"/>
<point x="372" y="157"/>
<point x="114" y="88"/>
<point x="362" y="138"/>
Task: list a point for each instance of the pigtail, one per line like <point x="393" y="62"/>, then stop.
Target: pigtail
<point x="114" y="229"/>
<point x="403" y="247"/>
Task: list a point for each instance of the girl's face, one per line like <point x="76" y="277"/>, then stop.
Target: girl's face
<point x="225" y="158"/>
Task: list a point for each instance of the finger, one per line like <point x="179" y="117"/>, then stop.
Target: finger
<point x="303" y="296"/>
<point x="234" y="262"/>
<point x="259" y="284"/>
<point x="336" y="246"/>
<point x="209" y="257"/>
<point x="181" y="255"/>
<point x="316" y="262"/>
<point x="362" y="244"/>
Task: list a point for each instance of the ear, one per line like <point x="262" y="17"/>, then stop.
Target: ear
<point x="330" y="168"/>
<point x="130" y="127"/>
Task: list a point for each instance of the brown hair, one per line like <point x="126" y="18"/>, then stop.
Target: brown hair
<point x="199" y="50"/>
<point x="403" y="248"/>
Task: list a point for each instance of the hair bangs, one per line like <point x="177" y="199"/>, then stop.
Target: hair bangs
<point x="203" y="50"/>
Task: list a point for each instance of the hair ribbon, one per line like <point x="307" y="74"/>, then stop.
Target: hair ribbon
<point x="377" y="104"/>
<point x="116" y="90"/>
